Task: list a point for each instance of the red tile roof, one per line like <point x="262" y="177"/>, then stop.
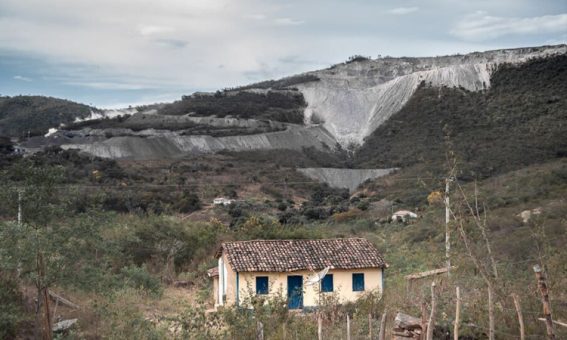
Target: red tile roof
<point x="291" y="255"/>
<point x="213" y="272"/>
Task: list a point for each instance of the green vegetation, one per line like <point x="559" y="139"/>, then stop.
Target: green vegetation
<point x="23" y="116"/>
<point x="283" y="106"/>
<point x="139" y="122"/>
<point x="280" y="84"/>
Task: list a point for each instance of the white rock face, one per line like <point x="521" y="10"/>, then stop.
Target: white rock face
<point x="107" y="114"/>
<point x="352" y="100"/>
<point x="344" y="178"/>
<point x="155" y="144"/>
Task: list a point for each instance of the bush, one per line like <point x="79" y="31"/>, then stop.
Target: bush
<point x="139" y="278"/>
<point x="11" y="308"/>
<point x="188" y="203"/>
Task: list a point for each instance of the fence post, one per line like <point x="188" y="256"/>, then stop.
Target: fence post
<point x="545" y="301"/>
<point x="382" y="334"/>
<point x="431" y="323"/>
<point x="370" y="326"/>
<point x="348" y="326"/>
<point x="516" y="299"/>
<point x="491" y="326"/>
<point x="319" y="327"/>
<point x="423" y="319"/>
<point x="259" y="331"/>
<point x="457" y="315"/>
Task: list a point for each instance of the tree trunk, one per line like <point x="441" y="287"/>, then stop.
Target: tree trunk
<point x="520" y="317"/>
<point x="545" y="301"/>
<point x="43" y="301"/>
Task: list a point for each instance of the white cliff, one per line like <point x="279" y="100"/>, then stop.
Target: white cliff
<point x="351" y="100"/>
<point x="344" y="178"/>
<point x="156" y="144"/>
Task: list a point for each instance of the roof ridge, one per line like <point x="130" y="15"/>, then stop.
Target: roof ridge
<point x="298" y="239"/>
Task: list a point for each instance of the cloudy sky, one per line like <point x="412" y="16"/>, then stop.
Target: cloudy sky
<point x="111" y="53"/>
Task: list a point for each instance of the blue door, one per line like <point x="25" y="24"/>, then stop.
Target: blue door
<point x="295" y="292"/>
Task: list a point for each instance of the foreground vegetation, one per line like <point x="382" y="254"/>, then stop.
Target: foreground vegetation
<point x="122" y="267"/>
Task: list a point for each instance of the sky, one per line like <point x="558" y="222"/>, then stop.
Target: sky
<point x="115" y="53"/>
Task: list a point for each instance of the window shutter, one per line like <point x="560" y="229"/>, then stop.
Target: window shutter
<point x="358" y="282"/>
<point x="327" y="283"/>
<point x="261" y="285"/>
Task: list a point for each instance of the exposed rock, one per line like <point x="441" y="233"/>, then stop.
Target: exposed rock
<point x="526" y="215"/>
<point x="64" y="325"/>
<point x="344" y="178"/>
<point x="169" y="144"/>
<point x="353" y="99"/>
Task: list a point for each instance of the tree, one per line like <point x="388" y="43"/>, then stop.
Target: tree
<point x="28" y="245"/>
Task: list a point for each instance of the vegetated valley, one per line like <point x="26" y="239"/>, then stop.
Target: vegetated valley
<point x="129" y="241"/>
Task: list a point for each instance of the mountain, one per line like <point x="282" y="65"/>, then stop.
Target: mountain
<point x="23" y="116"/>
<point x="341" y="105"/>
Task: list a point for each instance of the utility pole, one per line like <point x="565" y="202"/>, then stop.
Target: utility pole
<point x="544" y="300"/>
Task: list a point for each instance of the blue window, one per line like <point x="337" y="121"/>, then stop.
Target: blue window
<point x="261" y="285"/>
<point x="327" y="283"/>
<point x="358" y="282"/>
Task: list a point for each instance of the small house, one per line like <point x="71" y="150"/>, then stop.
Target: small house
<point x="287" y="267"/>
<point x="223" y="201"/>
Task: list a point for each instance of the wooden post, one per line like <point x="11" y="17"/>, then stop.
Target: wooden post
<point x="423" y="320"/>
<point x="348" y="326"/>
<point x="545" y="301"/>
<point x="382" y="334"/>
<point x="431" y="323"/>
<point x="43" y="300"/>
<point x="447" y="231"/>
<point x="319" y="327"/>
<point x="259" y="331"/>
<point x="516" y="299"/>
<point x="490" y="312"/>
<point x="370" y="326"/>
<point x="457" y="315"/>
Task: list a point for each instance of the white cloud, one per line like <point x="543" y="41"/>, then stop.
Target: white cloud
<point x="22" y="78"/>
<point x="480" y="26"/>
<point x="257" y="16"/>
<point x="403" y="10"/>
<point x="155" y="29"/>
<point x="111" y="86"/>
<point x="287" y="22"/>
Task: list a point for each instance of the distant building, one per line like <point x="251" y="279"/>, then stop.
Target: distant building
<point x="223" y="201"/>
<point x="403" y="216"/>
<point x="270" y="267"/>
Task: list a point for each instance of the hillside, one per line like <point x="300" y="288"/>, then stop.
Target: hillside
<point x="23" y="116"/>
<point x="520" y="120"/>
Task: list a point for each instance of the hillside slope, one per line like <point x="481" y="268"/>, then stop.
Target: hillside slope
<point x="33" y="115"/>
<point x="355" y="98"/>
<point x="520" y="120"/>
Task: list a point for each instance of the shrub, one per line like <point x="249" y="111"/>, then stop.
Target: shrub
<point x="11" y="309"/>
<point x="139" y="278"/>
